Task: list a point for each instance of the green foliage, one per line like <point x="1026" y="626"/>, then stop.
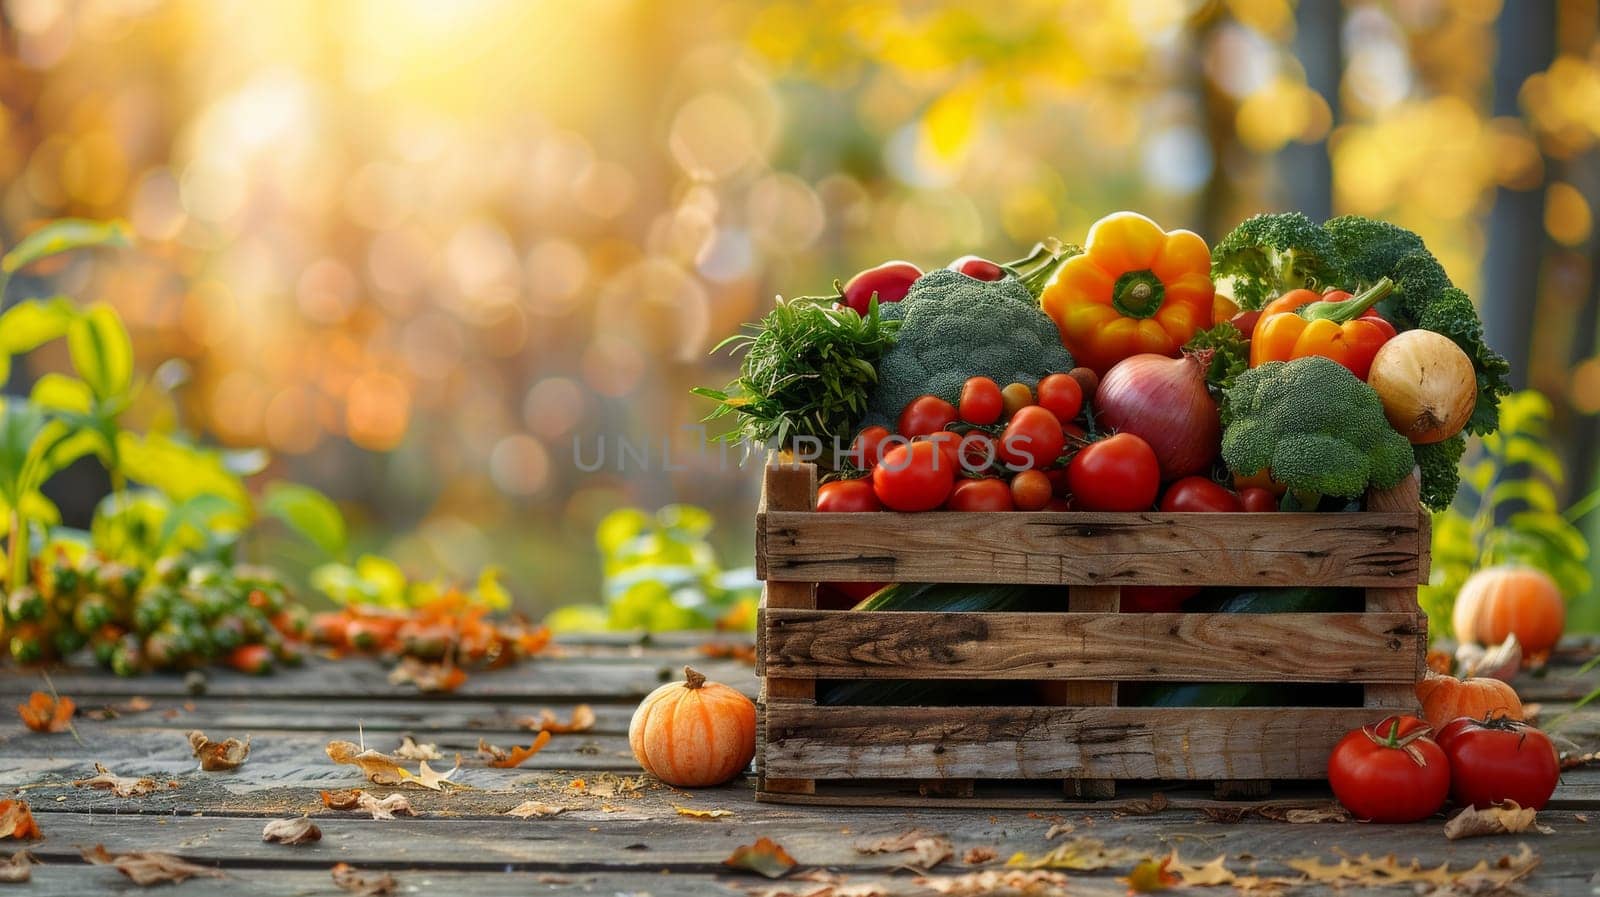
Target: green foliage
<point x="1508" y="513"/>
<point x="1316" y="427"/>
<point x="310" y="514"/>
<point x="140" y="527"/>
<point x="1440" y="466"/>
<point x="1228" y="353"/>
<point x="1269" y="255"/>
<point x="954" y="327"/>
<point x="662" y="574"/>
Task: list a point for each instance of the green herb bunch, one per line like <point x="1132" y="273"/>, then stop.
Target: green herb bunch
<point x="807" y="370"/>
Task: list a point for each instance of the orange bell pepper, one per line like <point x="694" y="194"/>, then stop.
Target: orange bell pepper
<point x="1334" y="325"/>
<point x="1135" y="288"/>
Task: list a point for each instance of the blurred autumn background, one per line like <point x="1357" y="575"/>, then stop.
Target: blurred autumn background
<point x="421" y="252"/>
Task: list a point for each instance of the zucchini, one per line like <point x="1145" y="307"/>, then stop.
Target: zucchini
<point x="1296" y="600"/>
<point x="945" y="598"/>
<point x="1241" y="694"/>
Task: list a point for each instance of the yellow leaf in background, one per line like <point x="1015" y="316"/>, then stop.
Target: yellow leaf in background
<point x="950" y="123"/>
<point x="489" y="591"/>
<point x="1083" y="854"/>
<point x="701" y="814"/>
<point x="1151" y="875"/>
<point x="1209" y="874"/>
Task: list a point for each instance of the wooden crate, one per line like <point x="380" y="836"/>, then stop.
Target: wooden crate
<point x="1045" y="756"/>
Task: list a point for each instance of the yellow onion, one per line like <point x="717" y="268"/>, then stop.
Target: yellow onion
<point x="1426" y="383"/>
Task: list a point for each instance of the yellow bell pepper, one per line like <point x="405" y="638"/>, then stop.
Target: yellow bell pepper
<point x="1135" y="288"/>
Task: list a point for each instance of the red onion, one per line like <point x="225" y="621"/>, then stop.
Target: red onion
<point x="1163" y="401"/>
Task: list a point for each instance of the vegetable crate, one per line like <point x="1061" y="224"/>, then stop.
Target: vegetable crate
<point x="1083" y="745"/>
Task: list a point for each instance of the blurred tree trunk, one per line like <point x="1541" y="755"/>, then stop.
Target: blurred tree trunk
<point x="1526" y="36"/>
<point x="1304" y="168"/>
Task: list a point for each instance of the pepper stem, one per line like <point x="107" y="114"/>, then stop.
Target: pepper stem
<point x="1138" y="294"/>
<point x="692" y="678"/>
<point x="1348" y="309"/>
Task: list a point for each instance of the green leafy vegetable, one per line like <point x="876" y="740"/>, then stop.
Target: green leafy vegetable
<point x="1228" y="356"/>
<point x="1269" y="255"/>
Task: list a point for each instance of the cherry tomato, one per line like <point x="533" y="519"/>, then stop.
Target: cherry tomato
<point x="1118" y="473"/>
<point x="1030" y="490"/>
<point x="949" y="442"/>
<point x="981" y="402"/>
<point x="1256" y="499"/>
<point x="1032" y="438"/>
<point x="1062" y="395"/>
<point x="978" y="452"/>
<point x="868" y="448"/>
<point x="1493" y="760"/>
<point x="1016" y="396"/>
<point x="1088" y="380"/>
<point x="977" y="268"/>
<point x="890" y="281"/>
<point x="1390" y="772"/>
<point x="1199" y="494"/>
<point x="1156" y="599"/>
<point x="847" y="495"/>
<point x="914" y="477"/>
<point x="925" y="415"/>
<point x="1259" y="480"/>
<point x="987" y="494"/>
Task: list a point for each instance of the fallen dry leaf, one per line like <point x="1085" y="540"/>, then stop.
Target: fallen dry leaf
<point x="409" y="749"/>
<point x="18" y="869"/>
<point x="1082" y="854"/>
<point x="434" y="780"/>
<point x="428" y="677"/>
<point x="121" y="786"/>
<point x="927" y="849"/>
<point x="500" y="758"/>
<point x="977" y="856"/>
<point x="1506" y="819"/>
<point x="1366" y="870"/>
<point x="300" y="830"/>
<point x="1060" y="828"/>
<point x="44" y="713"/>
<point x="341" y="800"/>
<point x="354" y="881"/>
<point x="764" y="857"/>
<point x="531" y="808"/>
<point x="1155" y="803"/>
<point x="582" y="721"/>
<point x="17" y="823"/>
<point x="134" y="704"/>
<point x="1151" y="875"/>
<point x="1294" y="815"/>
<point x="218" y="756"/>
<point x="1574" y="761"/>
<point x="1204" y="875"/>
<point x="1033" y="883"/>
<point x="382" y="769"/>
<point x="701" y="814"/>
<point x="148" y="867"/>
<point x="388" y="808"/>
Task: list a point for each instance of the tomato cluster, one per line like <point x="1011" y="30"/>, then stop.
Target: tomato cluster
<point x="1399" y="770"/>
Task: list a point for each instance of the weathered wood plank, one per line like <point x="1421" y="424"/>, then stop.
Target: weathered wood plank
<point x="1343" y="647"/>
<point x="786" y="487"/>
<point x="1086" y="599"/>
<point x="268" y="879"/>
<point x="1072" y="548"/>
<point x="1055" y="742"/>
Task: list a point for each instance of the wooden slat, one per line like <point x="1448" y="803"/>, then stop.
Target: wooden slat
<point x="1070" y="548"/>
<point x="1404" y="498"/>
<point x="786" y="487"/>
<point x="1055" y="742"/>
<point x="1107" y="600"/>
<point x="1166" y="647"/>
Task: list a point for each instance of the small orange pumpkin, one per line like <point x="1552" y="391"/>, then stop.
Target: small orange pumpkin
<point x="693" y="734"/>
<point x="1445" y="698"/>
<point x="1499" y="601"/>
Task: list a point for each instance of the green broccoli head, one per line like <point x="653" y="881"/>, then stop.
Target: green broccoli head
<point x="1440" y="463"/>
<point x="1315" y="426"/>
<point x="1370" y="248"/>
<point x="1269" y="255"/>
<point x="954" y="327"/>
<point x="1453" y="314"/>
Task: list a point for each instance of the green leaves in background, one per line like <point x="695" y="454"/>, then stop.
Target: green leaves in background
<point x="63" y="235"/>
<point x="28" y="325"/>
<point x="102" y="352"/>
<point x="310" y="514"/>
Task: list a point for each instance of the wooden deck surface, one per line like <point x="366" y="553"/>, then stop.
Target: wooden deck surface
<point x="613" y="838"/>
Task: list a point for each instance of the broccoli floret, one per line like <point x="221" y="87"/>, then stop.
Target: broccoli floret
<point x="1453" y="314"/>
<point x="1269" y="255"/>
<point x="1419" y="280"/>
<point x="954" y="327"/>
<point x="1440" y="463"/>
<point x="1316" y="427"/>
<point x="1370" y="248"/>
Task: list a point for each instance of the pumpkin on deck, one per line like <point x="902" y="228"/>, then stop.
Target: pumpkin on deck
<point x="1500" y="601"/>
<point x="1445" y="698"/>
<point x="694" y="734"/>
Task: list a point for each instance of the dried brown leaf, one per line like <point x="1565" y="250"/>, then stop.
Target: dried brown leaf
<point x="16" y="870"/>
<point x="582" y="720"/>
<point x="1034" y="883"/>
<point x="533" y="808"/>
<point x="977" y="856"/>
<point x="341" y="800"/>
<point x="1155" y="803"/>
<point x="701" y="814"/>
<point x="1211" y="874"/>
<point x="121" y="786"/>
<point x="501" y="758"/>
<point x="765" y="857"/>
<point x="361" y="884"/>
<point x="44" y="713"/>
<point x="1083" y="854"/>
<point x="1507" y="819"/>
<point x="409" y="749"/>
<point x="1151" y="875"/>
<point x="149" y="867"/>
<point x="217" y="756"/>
<point x="427" y="677"/>
<point x="299" y="830"/>
<point x="382" y="769"/>
<point x="1387" y="870"/>
<point x="17" y="822"/>
<point x="1060" y="828"/>
<point x="743" y="653"/>
<point x="1574" y="761"/>
<point x="394" y="805"/>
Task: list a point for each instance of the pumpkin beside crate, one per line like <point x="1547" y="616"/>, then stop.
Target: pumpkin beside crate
<point x="1086" y="741"/>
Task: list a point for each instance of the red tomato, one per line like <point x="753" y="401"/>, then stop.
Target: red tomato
<point x="1062" y="395"/>
<point x="1118" y="473"/>
<point x="868" y="448"/>
<point x="925" y="415"/>
<point x="977" y="268"/>
<point x="1500" y="759"/>
<point x="1058" y="482"/>
<point x="890" y="281"/>
<point x="1390" y="772"/>
<point x="1199" y="494"/>
<point x="978" y="451"/>
<point x="987" y="494"/>
<point x="1031" y="490"/>
<point x="981" y="402"/>
<point x="848" y="495"/>
<point x="948" y="442"/>
<point x="1032" y="438"/>
<point x="1155" y="599"/>
<point x="914" y="477"/>
<point x="1256" y="499"/>
<point x="1245" y="322"/>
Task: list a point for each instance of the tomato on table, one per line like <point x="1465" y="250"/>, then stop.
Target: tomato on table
<point x="1390" y="772"/>
<point x="1499" y="759"/>
<point x="914" y="477"/>
<point x="986" y="494"/>
<point x="1118" y="473"/>
<point x="847" y="496"/>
